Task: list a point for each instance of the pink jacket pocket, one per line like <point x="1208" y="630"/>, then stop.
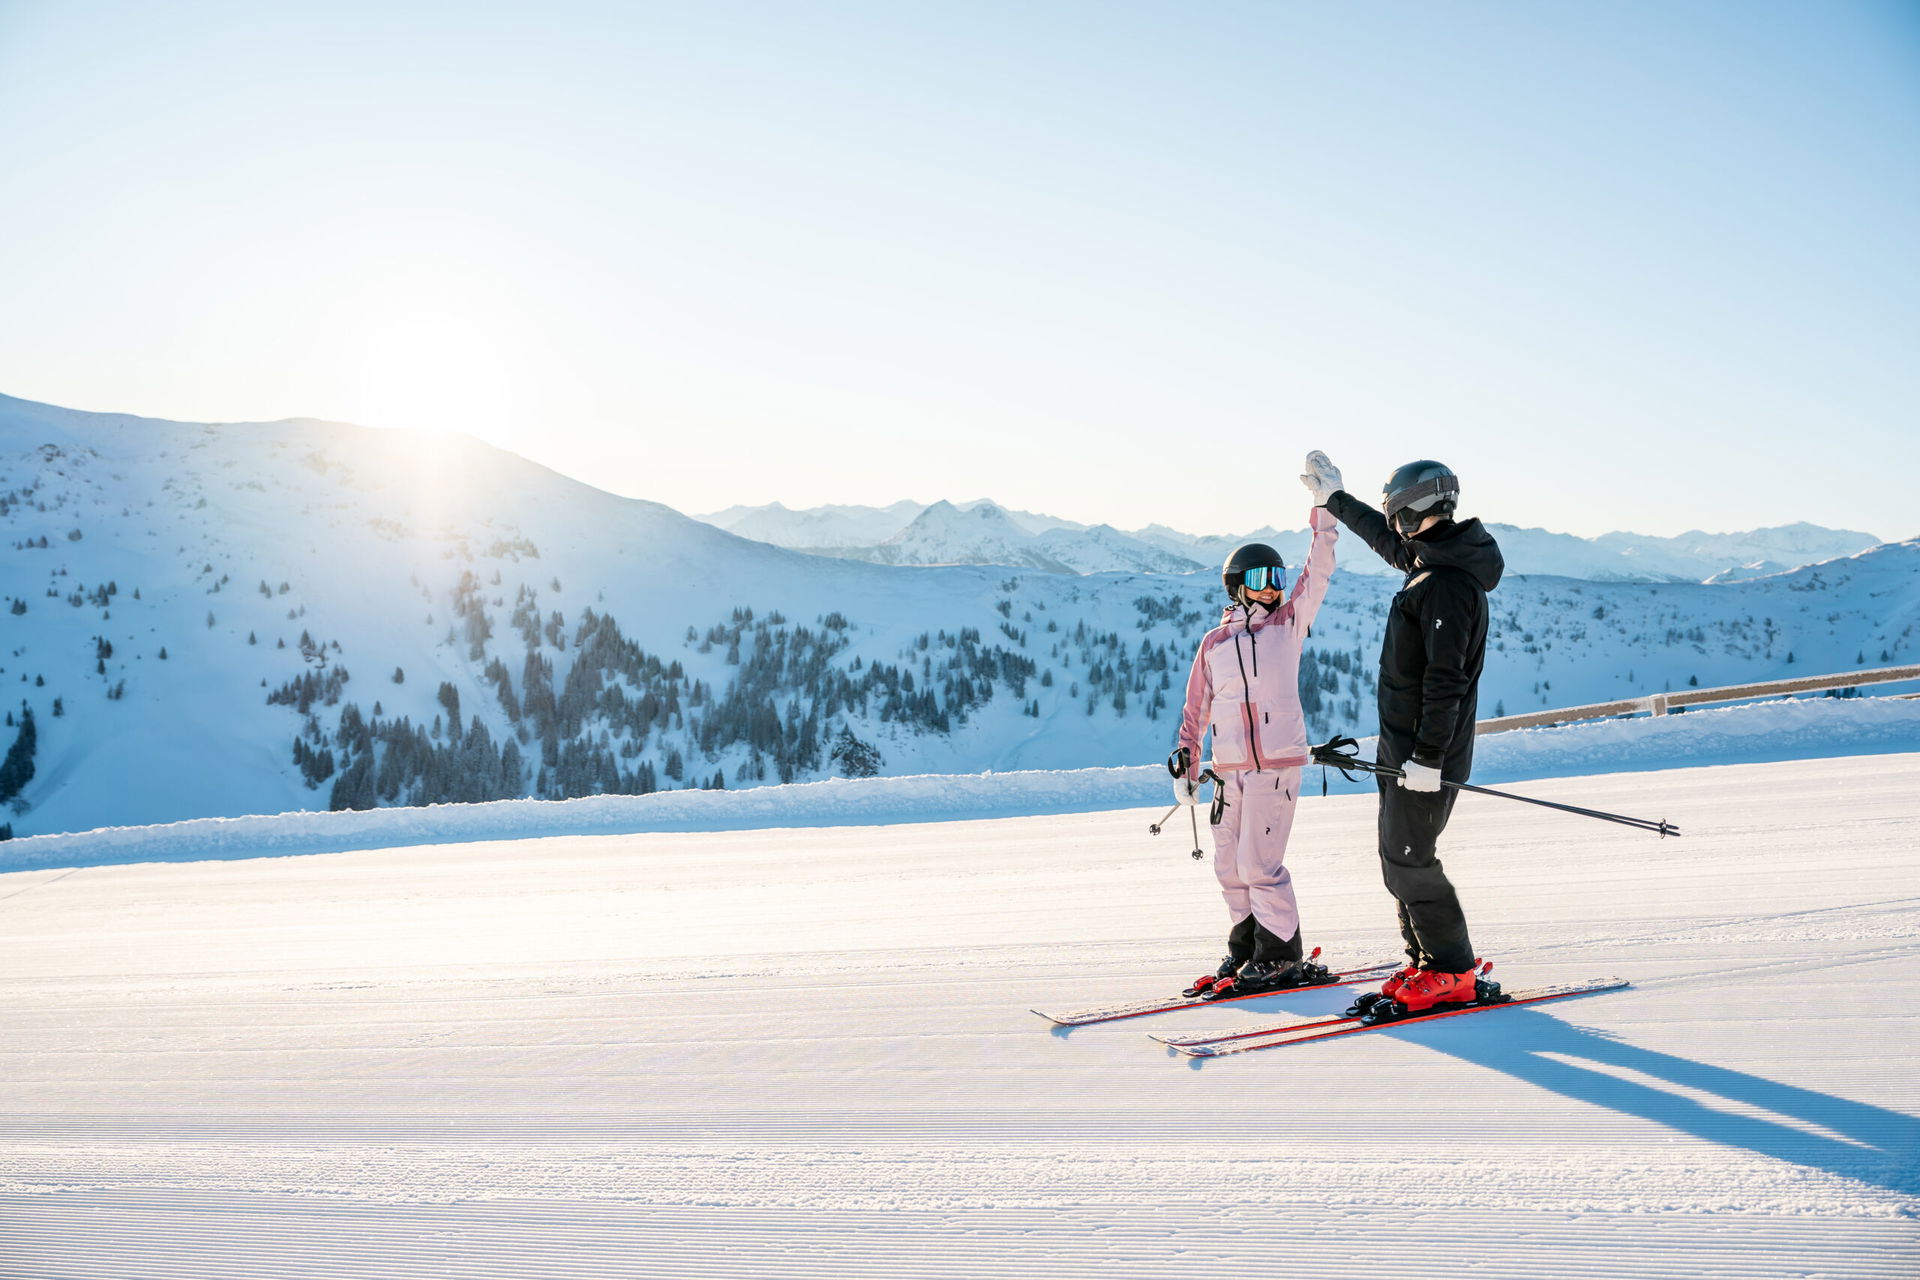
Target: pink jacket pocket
<point x="1230" y="736"/>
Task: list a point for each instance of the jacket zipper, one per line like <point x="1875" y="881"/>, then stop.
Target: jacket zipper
<point x="1253" y="732"/>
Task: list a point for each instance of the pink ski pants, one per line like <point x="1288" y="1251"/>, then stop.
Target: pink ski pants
<point x="1250" y="848"/>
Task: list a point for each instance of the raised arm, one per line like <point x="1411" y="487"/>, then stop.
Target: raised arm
<point x="1310" y="588"/>
<point x="1323" y="481"/>
<point x="1372" y="527"/>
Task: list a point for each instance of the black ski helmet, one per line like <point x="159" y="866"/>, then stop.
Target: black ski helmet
<point x="1418" y="490"/>
<point x="1233" y="574"/>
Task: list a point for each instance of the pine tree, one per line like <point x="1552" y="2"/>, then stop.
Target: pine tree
<point x="856" y="759"/>
<point x="17" y="769"/>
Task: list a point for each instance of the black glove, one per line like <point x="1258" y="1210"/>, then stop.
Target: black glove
<point x="1179" y="762"/>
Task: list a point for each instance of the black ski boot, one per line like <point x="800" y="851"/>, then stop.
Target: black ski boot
<point x="1310" y="972"/>
<point x="1228" y="967"/>
<point x="1242" y="946"/>
<point x="1257" y="977"/>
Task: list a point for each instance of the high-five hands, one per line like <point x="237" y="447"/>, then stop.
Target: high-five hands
<point x="1322" y="478"/>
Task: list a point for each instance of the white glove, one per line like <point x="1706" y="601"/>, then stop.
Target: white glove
<point x="1186" y="791"/>
<point x="1419" y="777"/>
<point x="1322" y="478"/>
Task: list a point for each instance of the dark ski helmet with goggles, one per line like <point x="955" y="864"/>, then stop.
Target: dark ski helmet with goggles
<point x="1416" y="491"/>
<point x="1254" y="567"/>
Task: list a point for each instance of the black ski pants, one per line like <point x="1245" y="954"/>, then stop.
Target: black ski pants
<point x="1251" y="940"/>
<point x="1431" y="921"/>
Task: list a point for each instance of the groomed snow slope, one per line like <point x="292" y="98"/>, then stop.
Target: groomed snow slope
<point x="807" y="1053"/>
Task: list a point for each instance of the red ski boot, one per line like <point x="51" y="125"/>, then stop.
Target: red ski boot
<point x="1429" y="987"/>
<point x="1385" y="996"/>
<point x="1390" y="989"/>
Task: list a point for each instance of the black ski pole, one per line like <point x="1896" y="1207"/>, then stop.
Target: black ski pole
<point x="1154" y="828"/>
<point x="1330" y="754"/>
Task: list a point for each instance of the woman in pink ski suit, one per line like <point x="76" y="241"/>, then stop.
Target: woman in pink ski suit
<point x="1245" y="689"/>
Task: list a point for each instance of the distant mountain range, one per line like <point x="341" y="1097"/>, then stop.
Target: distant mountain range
<point x="204" y="620"/>
<point x="981" y="532"/>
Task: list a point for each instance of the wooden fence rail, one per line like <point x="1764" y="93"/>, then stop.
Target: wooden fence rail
<point x="1660" y="703"/>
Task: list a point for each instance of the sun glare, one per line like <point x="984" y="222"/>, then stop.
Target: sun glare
<point x="438" y="375"/>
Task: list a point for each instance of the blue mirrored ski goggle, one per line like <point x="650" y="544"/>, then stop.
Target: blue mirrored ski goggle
<point x="1262" y="578"/>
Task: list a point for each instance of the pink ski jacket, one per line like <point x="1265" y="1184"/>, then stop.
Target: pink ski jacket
<point x="1245" y="683"/>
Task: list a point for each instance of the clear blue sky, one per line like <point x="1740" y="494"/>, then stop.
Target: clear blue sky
<point x="1650" y="266"/>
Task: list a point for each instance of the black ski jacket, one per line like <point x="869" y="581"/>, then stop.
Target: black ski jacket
<point x="1436" y="636"/>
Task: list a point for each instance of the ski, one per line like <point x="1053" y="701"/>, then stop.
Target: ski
<point x="1279" y="1035"/>
<point x="1141" y="1008"/>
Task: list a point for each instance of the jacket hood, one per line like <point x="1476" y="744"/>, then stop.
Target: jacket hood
<point x="1466" y="545"/>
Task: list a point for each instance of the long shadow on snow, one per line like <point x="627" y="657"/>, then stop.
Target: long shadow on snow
<point x="1865" y="1143"/>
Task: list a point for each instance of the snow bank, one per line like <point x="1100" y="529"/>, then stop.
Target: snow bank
<point x="1750" y="734"/>
<point x="836" y="802"/>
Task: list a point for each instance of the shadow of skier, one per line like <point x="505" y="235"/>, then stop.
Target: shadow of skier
<point x="1851" y="1139"/>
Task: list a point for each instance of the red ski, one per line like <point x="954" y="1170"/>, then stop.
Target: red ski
<point x="1279" y="1035"/>
<point x="1141" y="1008"/>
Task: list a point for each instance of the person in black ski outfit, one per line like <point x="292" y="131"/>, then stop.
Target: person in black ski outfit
<point x="1430" y="662"/>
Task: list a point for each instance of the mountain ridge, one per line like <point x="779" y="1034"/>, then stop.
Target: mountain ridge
<point x="1693" y="556"/>
<point x="206" y="621"/>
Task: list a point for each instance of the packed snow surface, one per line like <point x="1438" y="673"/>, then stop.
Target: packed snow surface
<point x="807" y="1052"/>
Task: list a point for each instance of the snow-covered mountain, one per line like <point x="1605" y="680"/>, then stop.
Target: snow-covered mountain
<point x="1103" y="549"/>
<point x="821" y="527"/>
<point x="947" y="534"/>
<point x="987" y="534"/>
<point x="1741" y="573"/>
<point x="1213" y="549"/>
<point x="856" y="532"/>
<point x="216" y="620"/>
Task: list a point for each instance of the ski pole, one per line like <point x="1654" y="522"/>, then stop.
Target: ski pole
<point x="1154" y="828"/>
<point x="1329" y="754"/>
